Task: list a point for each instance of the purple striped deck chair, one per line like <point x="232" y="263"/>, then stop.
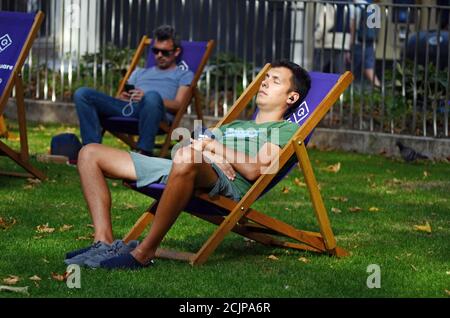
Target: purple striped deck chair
<point x="194" y="57"/>
<point x="17" y="33"/>
<point x="240" y="217"/>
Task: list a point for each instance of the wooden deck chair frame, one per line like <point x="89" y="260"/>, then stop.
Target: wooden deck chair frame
<point x="166" y="128"/>
<point x="250" y="223"/>
<point x="21" y="157"/>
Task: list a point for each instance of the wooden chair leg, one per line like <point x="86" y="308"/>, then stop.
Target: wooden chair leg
<point x="316" y="198"/>
<point x="140" y="225"/>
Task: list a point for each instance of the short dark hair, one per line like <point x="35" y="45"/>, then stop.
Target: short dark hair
<point x="300" y="81"/>
<point x="167" y="32"/>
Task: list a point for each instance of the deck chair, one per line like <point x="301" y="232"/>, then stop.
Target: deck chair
<point x="17" y="33"/>
<point x="240" y="217"/>
<point x="194" y="56"/>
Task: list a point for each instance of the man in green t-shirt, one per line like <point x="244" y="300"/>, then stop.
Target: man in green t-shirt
<point x="227" y="164"/>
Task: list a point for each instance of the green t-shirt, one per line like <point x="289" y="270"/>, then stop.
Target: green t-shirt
<point x="248" y="137"/>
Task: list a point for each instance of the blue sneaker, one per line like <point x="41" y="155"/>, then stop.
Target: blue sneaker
<point x="78" y="252"/>
<point x="125" y="261"/>
<point x="118" y="247"/>
<point x="96" y="248"/>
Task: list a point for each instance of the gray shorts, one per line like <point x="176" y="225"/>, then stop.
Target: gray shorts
<point x="156" y="170"/>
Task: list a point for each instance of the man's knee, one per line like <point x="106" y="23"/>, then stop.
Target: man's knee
<point x="82" y="93"/>
<point x="89" y="153"/>
<point x="186" y="162"/>
<point x="153" y="100"/>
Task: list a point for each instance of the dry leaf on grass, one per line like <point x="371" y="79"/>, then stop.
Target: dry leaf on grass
<point x="426" y="174"/>
<point x="44" y="228"/>
<point x="299" y="183"/>
<point x="336" y="210"/>
<point x="6" y="224"/>
<point x="35" y="278"/>
<point x="447" y="292"/>
<point x="334" y="168"/>
<point x="65" y="228"/>
<point x="273" y="258"/>
<point x="355" y="209"/>
<point x="304" y="260"/>
<point x="20" y="290"/>
<point x="374" y="209"/>
<point x="59" y="277"/>
<point x="285" y="190"/>
<point x="341" y="199"/>
<point x="423" y="228"/>
<point x="11" y="280"/>
<point x="85" y="237"/>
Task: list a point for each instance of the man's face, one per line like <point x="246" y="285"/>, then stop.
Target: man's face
<point x="275" y="90"/>
<point x="165" y="54"/>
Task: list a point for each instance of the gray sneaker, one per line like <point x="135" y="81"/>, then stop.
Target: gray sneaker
<point x="97" y="247"/>
<point x="118" y="247"/>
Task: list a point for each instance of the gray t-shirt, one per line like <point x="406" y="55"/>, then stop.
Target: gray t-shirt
<point x="165" y="82"/>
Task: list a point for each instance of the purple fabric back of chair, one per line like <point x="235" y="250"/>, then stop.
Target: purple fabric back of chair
<point x="321" y="84"/>
<point x="190" y="57"/>
<point x="14" y="30"/>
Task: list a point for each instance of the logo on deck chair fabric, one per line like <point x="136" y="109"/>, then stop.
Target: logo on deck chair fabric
<point x="5" y="41"/>
<point x="301" y="113"/>
<point x="183" y="65"/>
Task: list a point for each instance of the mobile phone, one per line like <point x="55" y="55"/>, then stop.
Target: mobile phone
<point x="128" y="87"/>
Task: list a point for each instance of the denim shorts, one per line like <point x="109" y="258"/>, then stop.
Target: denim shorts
<point x="156" y="170"/>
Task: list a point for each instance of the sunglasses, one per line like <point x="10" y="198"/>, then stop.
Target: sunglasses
<point x="165" y="53"/>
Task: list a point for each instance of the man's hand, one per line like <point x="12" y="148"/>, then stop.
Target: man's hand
<point x="136" y="94"/>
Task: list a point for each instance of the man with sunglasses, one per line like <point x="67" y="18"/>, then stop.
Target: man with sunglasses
<point x="158" y="92"/>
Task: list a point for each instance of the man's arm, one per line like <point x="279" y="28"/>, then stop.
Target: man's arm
<point x="183" y="95"/>
<point x="249" y="167"/>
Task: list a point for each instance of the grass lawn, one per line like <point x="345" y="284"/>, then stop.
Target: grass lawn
<point x="394" y="197"/>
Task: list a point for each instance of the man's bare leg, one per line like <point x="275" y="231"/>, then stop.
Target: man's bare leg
<point x="94" y="162"/>
<point x="184" y="177"/>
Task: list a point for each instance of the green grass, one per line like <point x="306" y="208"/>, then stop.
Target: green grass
<point x="413" y="263"/>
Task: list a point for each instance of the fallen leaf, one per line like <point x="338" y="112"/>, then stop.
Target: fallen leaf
<point x="45" y="260"/>
<point x="336" y="210"/>
<point x="59" y="277"/>
<point x="423" y="228"/>
<point x="285" y="190"/>
<point x="35" y="278"/>
<point x="413" y="267"/>
<point x="7" y="224"/>
<point x="448" y="273"/>
<point x="38" y="237"/>
<point x="44" y="228"/>
<point x="85" y="237"/>
<point x="273" y="258"/>
<point x="374" y="209"/>
<point x="90" y="225"/>
<point x="342" y="199"/>
<point x="425" y="174"/>
<point x="114" y="184"/>
<point x="65" y="228"/>
<point x="304" y="260"/>
<point x="33" y="181"/>
<point x="447" y="292"/>
<point x="355" y="209"/>
<point x="21" y="290"/>
<point x="11" y="280"/>
<point x="28" y="187"/>
<point x="299" y="183"/>
<point x="129" y="206"/>
<point x="334" y="168"/>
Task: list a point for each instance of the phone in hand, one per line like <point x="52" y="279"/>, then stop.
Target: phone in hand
<point x="128" y="87"/>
